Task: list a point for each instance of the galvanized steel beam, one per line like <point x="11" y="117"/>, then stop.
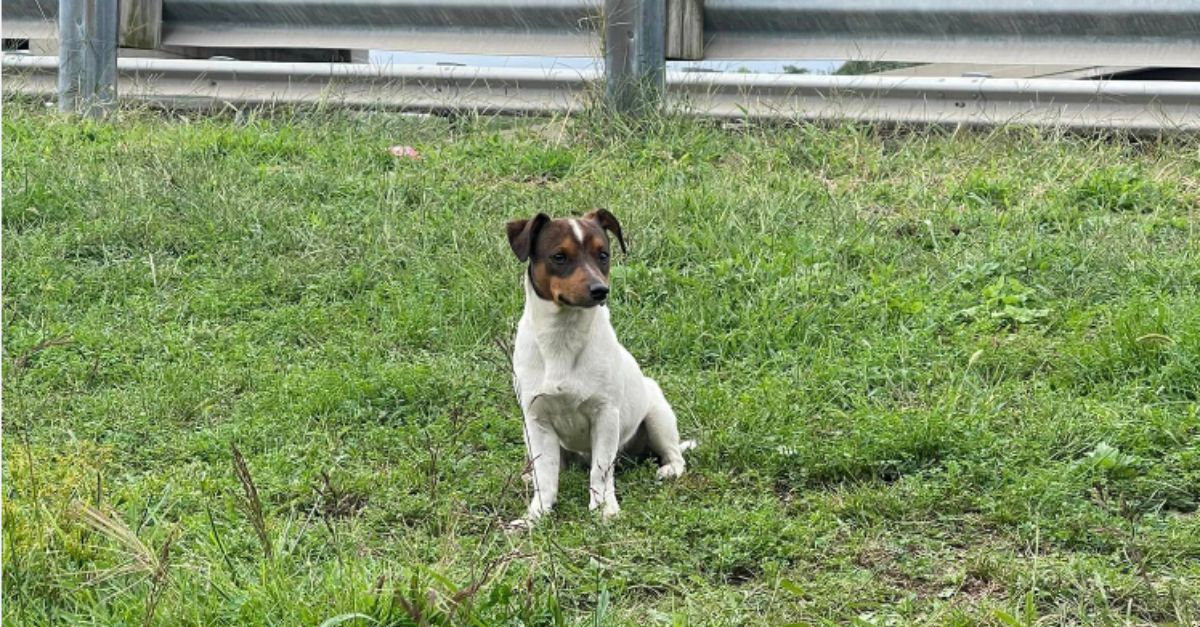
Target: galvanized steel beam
<point x="29" y="19"/>
<point x="1111" y="32"/>
<point x="529" y="27"/>
<point x="1135" y="105"/>
<point x="192" y="82"/>
<point x="1131" y="105"/>
<point x="1085" y="32"/>
<point x="541" y="27"/>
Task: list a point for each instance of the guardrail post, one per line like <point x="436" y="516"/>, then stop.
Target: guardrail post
<point x="634" y="53"/>
<point x="87" y="54"/>
<point x="685" y="29"/>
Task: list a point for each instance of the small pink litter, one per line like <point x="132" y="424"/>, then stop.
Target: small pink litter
<point x="404" y="152"/>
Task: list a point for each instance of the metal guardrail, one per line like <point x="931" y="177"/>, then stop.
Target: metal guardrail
<point x="1116" y="32"/>
<point x="193" y="82"/>
<point x="1132" y="105"/>
<point x="1090" y="32"/>
<point x="542" y="27"/>
<point x="29" y="19"/>
<point x="550" y="27"/>
<point x="1151" y="106"/>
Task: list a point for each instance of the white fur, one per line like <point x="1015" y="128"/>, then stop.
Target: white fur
<point x="577" y="230"/>
<point x="581" y="391"/>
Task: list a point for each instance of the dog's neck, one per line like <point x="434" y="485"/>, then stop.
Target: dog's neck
<point x="561" y="333"/>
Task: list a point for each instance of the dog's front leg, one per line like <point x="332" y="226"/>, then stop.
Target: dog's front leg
<point x="606" y="439"/>
<point x="546" y="457"/>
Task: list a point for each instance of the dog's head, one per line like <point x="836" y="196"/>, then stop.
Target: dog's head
<point x="568" y="257"/>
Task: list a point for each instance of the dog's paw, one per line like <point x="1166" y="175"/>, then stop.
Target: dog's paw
<point x="669" y="471"/>
<point x="531" y="517"/>
<point x="608" y="510"/>
<point x="519" y="525"/>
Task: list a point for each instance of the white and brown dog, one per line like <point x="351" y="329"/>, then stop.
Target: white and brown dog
<point x="579" y="389"/>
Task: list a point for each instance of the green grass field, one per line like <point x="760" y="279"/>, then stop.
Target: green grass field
<point x="937" y="378"/>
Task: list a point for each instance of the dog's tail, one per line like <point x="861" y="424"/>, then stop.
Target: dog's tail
<point x="687" y="445"/>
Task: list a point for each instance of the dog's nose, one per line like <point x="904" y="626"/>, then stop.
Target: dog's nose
<point x="598" y="291"/>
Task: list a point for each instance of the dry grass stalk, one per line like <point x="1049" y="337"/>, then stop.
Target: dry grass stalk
<point x="251" y="504"/>
<point x="142" y="559"/>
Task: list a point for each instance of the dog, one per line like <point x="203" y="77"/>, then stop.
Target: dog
<point x="579" y="389"/>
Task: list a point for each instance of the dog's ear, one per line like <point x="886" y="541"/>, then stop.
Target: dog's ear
<point x="608" y="222"/>
<point x="522" y="235"/>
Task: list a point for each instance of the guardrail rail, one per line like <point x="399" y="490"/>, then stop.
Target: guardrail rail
<point x="630" y="36"/>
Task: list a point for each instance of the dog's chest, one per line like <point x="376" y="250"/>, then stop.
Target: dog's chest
<point x="562" y="383"/>
<point x="570" y="417"/>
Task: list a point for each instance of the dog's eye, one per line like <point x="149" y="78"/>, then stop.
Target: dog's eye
<point x="603" y="256"/>
<point x="559" y="258"/>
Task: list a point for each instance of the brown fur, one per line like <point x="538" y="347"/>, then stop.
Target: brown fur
<point x="562" y="268"/>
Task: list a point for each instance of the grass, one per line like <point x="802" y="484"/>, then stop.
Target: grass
<point x="252" y="375"/>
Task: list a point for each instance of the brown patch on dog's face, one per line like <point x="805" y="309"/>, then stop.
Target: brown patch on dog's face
<point x="568" y="258"/>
